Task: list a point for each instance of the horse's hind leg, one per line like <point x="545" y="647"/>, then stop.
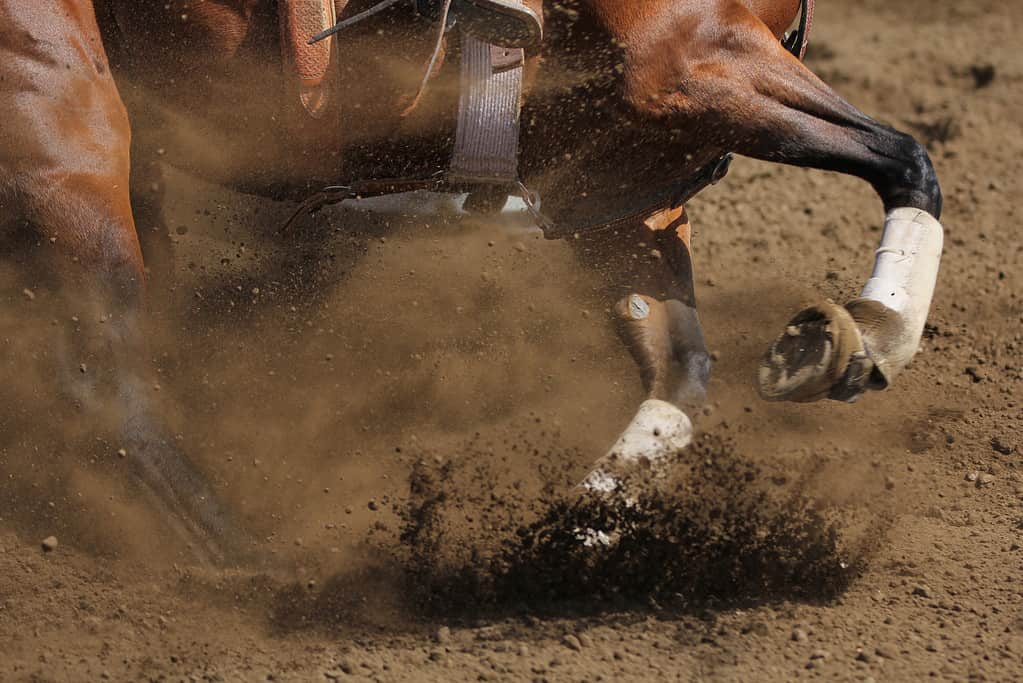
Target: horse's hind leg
<point x="147" y="195"/>
<point x="64" y="157"/>
<point x="647" y="267"/>
<point x="731" y="82"/>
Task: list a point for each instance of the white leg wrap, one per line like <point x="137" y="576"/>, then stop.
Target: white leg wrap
<point x="658" y="430"/>
<point x="905" y="274"/>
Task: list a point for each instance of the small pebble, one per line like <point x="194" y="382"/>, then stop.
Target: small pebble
<point x="922" y="590"/>
<point x="1001" y="446"/>
<point x="799" y="635"/>
<point x="572" y="643"/>
<point x="884" y="651"/>
<point x="757" y="628"/>
<point x="49" y="544"/>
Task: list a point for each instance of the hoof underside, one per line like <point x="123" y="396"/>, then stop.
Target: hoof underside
<point x="812" y="357"/>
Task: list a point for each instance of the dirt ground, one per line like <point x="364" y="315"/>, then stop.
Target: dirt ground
<point x="315" y="374"/>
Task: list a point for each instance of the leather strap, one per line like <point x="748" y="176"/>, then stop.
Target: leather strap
<point x="799" y="40"/>
<point x="674" y="196"/>
<point x="308" y="63"/>
<point x="490" y="98"/>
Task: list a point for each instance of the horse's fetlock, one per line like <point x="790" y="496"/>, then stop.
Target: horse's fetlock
<point x="918" y="175"/>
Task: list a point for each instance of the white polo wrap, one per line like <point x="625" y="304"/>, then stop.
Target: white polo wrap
<point x="905" y="274"/>
<point x="658" y="430"/>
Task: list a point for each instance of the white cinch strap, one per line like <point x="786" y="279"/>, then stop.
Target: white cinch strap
<point x="905" y="274"/>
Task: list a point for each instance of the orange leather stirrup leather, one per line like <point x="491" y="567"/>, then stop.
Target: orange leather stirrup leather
<point x="308" y="65"/>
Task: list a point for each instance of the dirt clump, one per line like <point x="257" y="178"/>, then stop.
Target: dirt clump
<point x="713" y="537"/>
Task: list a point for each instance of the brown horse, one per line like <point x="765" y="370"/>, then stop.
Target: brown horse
<point x="623" y="100"/>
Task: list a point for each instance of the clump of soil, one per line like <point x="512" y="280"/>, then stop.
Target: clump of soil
<point x="712" y="536"/>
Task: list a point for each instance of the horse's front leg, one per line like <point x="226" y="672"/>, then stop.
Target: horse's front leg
<point x="647" y="267"/>
<point x="731" y="82"/>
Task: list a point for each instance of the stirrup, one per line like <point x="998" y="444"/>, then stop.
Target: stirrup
<point x="506" y="23"/>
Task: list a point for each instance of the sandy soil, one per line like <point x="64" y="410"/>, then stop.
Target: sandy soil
<point x="315" y="374"/>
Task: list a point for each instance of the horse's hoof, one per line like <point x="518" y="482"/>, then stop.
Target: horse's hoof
<point x="659" y="430"/>
<point x="812" y="357"/>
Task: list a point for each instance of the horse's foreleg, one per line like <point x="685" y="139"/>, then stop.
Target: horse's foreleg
<point x="745" y="91"/>
<point x="648" y="269"/>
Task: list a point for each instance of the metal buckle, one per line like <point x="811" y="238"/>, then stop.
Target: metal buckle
<point x="532" y="201"/>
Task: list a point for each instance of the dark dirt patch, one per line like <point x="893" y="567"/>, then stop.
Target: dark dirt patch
<point x="713" y="537"/>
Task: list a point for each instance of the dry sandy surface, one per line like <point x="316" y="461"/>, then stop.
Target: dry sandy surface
<point x="310" y="380"/>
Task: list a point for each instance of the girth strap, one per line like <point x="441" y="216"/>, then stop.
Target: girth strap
<point x="487" y="139"/>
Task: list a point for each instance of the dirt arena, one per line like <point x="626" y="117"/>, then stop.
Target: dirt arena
<point x="392" y="406"/>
